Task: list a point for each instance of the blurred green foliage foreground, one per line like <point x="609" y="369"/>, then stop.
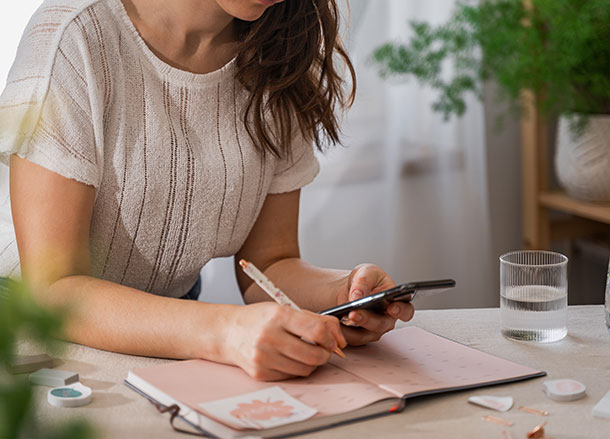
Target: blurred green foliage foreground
<point x="20" y="319"/>
<point x="559" y="49"/>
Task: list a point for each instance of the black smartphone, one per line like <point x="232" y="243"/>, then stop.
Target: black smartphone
<point x="378" y="302"/>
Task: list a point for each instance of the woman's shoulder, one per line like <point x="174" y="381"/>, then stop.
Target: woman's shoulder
<point x="60" y="42"/>
<point x="59" y="26"/>
<point x="53" y="19"/>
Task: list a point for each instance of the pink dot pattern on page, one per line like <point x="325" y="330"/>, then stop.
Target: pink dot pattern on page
<point x="421" y="361"/>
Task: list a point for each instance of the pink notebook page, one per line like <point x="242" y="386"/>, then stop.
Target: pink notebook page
<point x="328" y="390"/>
<point x="411" y="360"/>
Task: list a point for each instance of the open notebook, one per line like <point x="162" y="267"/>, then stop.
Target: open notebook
<point x="372" y="380"/>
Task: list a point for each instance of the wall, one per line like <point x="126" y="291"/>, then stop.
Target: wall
<point x="14" y="17"/>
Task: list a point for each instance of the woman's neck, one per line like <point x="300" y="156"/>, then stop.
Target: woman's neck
<point x="193" y="35"/>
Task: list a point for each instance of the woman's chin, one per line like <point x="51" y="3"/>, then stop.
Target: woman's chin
<point x="255" y="10"/>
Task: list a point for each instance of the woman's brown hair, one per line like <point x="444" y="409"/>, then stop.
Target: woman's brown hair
<point x="288" y="63"/>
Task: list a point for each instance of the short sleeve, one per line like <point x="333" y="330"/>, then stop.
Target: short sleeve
<point x="297" y="170"/>
<point x="45" y="109"/>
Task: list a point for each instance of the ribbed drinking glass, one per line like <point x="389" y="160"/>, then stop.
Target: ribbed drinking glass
<point x="534" y="295"/>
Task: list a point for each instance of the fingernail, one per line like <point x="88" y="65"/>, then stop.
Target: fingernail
<point x="393" y="309"/>
<point x="357" y="294"/>
<point x="357" y="317"/>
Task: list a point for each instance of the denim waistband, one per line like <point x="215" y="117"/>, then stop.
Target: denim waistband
<point x="195" y="290"/>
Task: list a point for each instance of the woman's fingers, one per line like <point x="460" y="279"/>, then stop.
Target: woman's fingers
<point x="371" y="321"/>
<point x="275" y="342"/>
<point x="401" y="311"/>
<point x="371" y="326"/>
<point x="357" y="336"/>
<point x="271" y="365"/>
<point x="367" y="278"/>
<point x="324" y="331"/>
<point x="334" y="325"/>
<point x="299" y="350"/>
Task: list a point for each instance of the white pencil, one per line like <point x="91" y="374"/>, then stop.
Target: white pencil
<point x="274" y="292"/>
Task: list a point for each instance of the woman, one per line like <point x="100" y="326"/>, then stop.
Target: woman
<point x="146" y="137"/>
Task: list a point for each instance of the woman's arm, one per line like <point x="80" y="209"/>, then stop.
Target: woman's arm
<point x="52" y="216"/>
<point x="272" y="246"/>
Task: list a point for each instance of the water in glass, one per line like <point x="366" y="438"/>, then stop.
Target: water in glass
<point x="534" y="312"/>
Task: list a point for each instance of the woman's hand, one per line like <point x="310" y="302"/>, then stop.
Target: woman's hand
<point x="366" y="326"/>
<point x="267" y="341"/>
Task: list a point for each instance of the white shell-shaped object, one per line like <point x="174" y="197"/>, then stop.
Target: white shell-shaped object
<point x="602" y="408"/>
<point x="564" y="389"/>
<point x="499" y="403"/>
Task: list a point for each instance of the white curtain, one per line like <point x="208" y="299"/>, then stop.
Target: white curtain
<point x="409" y="192"/>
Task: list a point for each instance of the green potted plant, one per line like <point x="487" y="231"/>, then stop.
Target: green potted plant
<point x="557" y="49"/>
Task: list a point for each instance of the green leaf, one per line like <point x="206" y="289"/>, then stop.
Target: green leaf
<point x="22" y="317"/>
<point x="562" y="54"/>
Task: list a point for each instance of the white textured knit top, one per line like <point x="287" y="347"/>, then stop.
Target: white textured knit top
<point x="178" y="180"/>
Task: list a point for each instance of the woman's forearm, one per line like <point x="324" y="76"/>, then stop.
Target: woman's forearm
<point x="109" y="316"/>
<point x="311" y="287"/>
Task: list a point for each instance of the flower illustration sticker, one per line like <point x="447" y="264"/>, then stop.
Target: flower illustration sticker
<point x="262" y="410"/>
<point x="265" y="408"/>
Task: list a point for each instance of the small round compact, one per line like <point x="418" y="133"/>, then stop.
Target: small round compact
<point x="564" y="389"/>
<point x="74" y="395"/>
